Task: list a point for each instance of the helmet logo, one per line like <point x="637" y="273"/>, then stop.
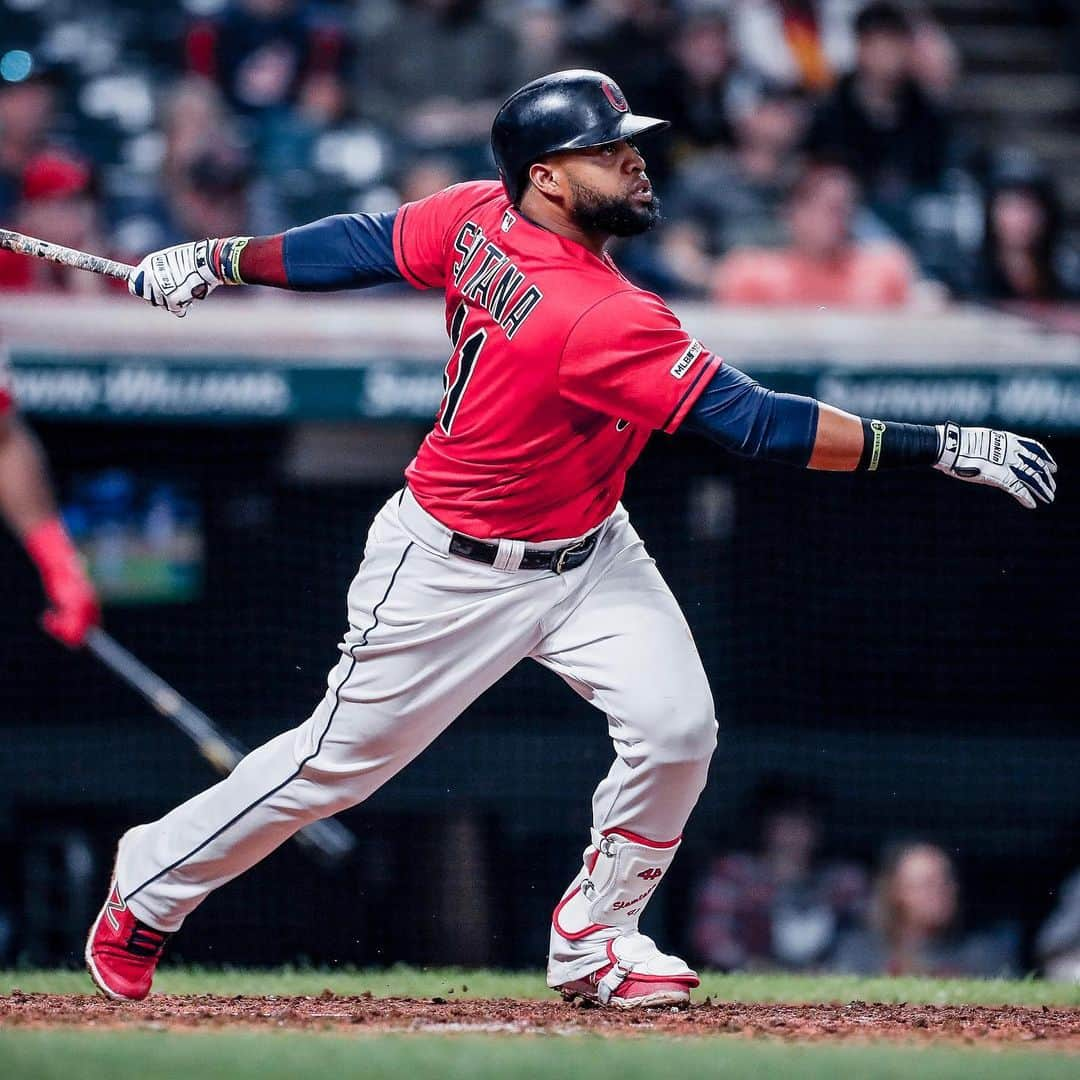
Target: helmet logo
<point x="614" y="96"/>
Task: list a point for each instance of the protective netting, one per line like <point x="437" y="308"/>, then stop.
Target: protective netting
<point x="899" y="640"/>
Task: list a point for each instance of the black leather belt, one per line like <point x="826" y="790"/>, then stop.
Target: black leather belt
<point x="558" y="562"/>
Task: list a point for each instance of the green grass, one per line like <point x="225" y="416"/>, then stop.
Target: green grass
<point x="65" y="1055"/>
<point x="451" y="982"/>
<point x="87" y="1054"/>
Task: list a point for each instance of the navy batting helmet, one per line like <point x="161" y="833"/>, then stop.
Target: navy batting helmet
<point x="567" y="110"/>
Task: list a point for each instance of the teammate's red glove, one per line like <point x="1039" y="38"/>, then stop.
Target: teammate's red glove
<point x="73" y="603"/>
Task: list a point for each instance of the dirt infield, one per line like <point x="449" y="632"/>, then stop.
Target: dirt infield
<point x="1057" y="1028"/>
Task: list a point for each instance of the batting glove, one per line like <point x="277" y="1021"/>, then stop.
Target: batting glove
<point x="176" y="276"/>
<point x="1020" y="466"/>
<point x="73" y="604"/>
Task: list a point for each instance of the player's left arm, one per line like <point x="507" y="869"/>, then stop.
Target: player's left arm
<point x="29" y="509"/>
<point x="344" y="251"/>
<point x="748" y="419"/>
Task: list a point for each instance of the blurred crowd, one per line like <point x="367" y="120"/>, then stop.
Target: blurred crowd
<point x="812" y="158"/>
<point x="781" y="905"/>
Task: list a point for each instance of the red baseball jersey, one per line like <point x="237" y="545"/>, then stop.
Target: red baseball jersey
<point x="560" y="370"/>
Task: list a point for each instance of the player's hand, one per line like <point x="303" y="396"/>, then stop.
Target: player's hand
<point x="175" y="277"/>
<point x="73" y="604"/>
<point x="73" y="610"/>
<point x="1018" y="465"/>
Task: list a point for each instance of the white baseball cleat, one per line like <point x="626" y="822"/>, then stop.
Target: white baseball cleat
<point x="636" y="976"/>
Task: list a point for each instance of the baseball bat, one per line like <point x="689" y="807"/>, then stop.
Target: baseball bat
<point x="81" y="260"/>
<point x="327" y="840"/>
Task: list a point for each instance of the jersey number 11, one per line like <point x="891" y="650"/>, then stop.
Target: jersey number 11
<point x="459" y="367"/>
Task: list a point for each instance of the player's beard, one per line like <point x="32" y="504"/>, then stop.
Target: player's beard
<point x="613" y="215"/>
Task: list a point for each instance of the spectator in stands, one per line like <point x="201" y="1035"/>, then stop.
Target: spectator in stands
<point x="213" y="196"/>
<point x="738" y="196"/>
<point x="1023" y="255"/>
<point x="204" y="174"/>
<point x="779" y="907"/>
<point x="723" y="199"/>
<point x="824" y="264"/>
<point x="935" y="60"/>
<point x="435" y="73"/>
<point x="426" y="175"/>
<point x="262" y="53"/>
<point x="27" y="111"/>
<point x="705" y="85"/>
<point x="1057" y="944"/>
<point x="880" y="122"/>
<point x="207" y="173"/>
<point x="801" y="44"/>
<point x="194" y="119"/>
<point x="59" y="202"/>
<point x="539" y="29"/>
<point x="912" y="927"/>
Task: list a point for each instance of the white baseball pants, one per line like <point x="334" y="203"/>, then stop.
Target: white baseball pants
<point x="429" y="632"/>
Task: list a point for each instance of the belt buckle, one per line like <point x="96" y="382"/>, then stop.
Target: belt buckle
<point x="573" y="549"/>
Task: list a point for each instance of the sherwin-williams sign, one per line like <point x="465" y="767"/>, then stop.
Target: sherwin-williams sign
<point x="232" y="390"/>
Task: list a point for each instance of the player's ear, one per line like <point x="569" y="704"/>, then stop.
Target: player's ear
<point x="546" y="177"/>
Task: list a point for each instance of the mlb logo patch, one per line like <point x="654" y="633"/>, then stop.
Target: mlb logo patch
<point x="686" y="361"/>
<point x="508" y="221"/>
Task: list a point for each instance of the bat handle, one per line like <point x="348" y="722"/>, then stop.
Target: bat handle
<point x="112" y="268"/>
<point x="80" y="260"/>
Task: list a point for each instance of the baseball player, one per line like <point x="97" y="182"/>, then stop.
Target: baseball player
<point x="29" y="509"/>
<point x="508" y="539"/>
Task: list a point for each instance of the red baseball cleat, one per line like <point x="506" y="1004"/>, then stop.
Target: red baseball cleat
<point x="121" y="951"/>
<point x="617" y="984"/>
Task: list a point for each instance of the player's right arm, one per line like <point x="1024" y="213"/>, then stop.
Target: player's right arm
<point x="28" y="508"/>
<point x="344" y="251"/>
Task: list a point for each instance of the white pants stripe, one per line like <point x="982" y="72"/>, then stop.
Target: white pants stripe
<point x="300" y="768"/>
<point x="429" y="632"/>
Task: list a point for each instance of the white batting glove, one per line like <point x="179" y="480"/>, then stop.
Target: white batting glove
<point x="176" y="276"/>
<point x="1020" y="466"/>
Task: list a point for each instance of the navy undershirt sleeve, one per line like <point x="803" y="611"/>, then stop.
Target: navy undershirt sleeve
<point x="747" y="419"/>
<point x="346" y="251"/>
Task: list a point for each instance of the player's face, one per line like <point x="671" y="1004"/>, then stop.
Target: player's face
<point x="610" y="192"/>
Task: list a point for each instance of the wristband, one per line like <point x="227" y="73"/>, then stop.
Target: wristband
<point x="897" y="446"/>
<point x="227" y="259"/>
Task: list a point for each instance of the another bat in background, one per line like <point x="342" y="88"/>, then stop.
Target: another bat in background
<point x="328" y="841"/>
<point x="57" y="253"/>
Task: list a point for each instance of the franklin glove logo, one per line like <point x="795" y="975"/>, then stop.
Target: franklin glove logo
<point x="998" y="447"/>
<point x="651" y="874"/>
<point x="163" y="273"/>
